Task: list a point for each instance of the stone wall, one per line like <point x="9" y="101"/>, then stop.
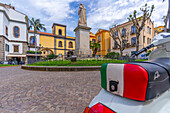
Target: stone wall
<point x="2" y="48"/>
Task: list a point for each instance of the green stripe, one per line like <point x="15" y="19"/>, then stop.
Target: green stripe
<point x="103" y="72"/>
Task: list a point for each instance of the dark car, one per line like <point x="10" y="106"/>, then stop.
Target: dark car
<point x="21" y="63"/>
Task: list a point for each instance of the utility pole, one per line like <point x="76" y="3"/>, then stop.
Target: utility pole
<point x="168" y="22"/>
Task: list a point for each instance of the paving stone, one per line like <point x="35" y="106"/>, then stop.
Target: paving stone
<point x="23" y="91"/>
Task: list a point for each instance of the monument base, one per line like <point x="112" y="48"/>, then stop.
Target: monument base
<point x="82" y="42"/>
<point x="83" y="53"/>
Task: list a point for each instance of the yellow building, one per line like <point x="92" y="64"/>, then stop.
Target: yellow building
<point x="158" y="30"/>
<point x="56" y="42"/>
<point x="104" y="39"/>
<point x="145" y="38"/>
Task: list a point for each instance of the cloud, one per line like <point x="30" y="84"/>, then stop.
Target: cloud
<point x="49" y="11"/>
<point x="106" y="13"/>
<point x="100" y="13"/>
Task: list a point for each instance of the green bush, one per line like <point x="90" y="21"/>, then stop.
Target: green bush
<point x="33" y="52"/>
<point x="51" y="56"/>
<point x="148" y="53"/>
<point x="112" y="55"/>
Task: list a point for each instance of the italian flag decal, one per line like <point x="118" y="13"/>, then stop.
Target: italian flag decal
<point x="126" y="80"/>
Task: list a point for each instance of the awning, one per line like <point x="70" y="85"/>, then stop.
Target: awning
<point x="16" y="55"/>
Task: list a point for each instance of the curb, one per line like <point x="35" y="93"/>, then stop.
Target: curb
<point x="61" y="68"/>
<point x="9" y="66"/>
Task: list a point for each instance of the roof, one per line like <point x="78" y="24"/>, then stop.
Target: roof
<point x="12" y="7"/>
<point x="7" y="6"/>
<point x="58" y="25"/>
<point x="129" y="22"/>
<point x="44" y="33"/>
<point x="101" y="30"/>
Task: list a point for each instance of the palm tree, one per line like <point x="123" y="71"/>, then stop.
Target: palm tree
<point x="37" y="26"/>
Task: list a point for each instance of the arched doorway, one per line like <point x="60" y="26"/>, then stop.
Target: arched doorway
<point x="46" y="51"/>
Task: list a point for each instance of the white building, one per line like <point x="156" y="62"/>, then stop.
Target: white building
<point x="13" y="34"/>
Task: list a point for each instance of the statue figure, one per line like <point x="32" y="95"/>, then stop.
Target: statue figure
<point x="82" y="15"/>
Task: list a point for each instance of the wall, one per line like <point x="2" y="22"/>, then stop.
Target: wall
<point x="47" y="41"/>
<point x="2" y="48"/>
<point x="62" y="28"/>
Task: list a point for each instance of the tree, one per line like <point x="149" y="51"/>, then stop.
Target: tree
<point x="37" y="26"/>
<point x="120" y="39"/>
<point x="94" y="47"/>
<point x="139" y="23"/>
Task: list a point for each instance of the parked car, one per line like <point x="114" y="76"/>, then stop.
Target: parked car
<point x="1" y="62"/>
<point x="6" y="62"/>
<point x="21" y="63"/>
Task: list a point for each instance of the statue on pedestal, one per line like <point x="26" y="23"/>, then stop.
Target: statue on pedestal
<point x="82" y="15"/>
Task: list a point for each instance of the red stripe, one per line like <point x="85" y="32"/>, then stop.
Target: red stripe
<point x="135" y="82"/>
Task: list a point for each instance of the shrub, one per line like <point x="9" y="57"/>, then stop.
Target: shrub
<point x="33" y="52"/>
<point x="148" y="53"/>
<point x="51" y="56"/>
<point x="112" y="55"/>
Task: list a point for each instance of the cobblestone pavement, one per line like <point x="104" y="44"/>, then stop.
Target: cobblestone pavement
<point x="24" y="91"/>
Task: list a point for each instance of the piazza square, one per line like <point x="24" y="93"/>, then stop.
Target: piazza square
<point x="76" y="56"/>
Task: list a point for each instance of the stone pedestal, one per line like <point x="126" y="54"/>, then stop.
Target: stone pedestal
<point x="82" y="41"/>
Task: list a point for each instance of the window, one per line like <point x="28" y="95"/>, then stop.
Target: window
<point x="144" y="28"/>
<point x="143" y="39"/>
<point x="147" y="29"/>
<point x="16" y="31"/>
<point x="123" y="32"/>
<point x="60" y="44"/>
<point x="7" y="47"/>
<point x="99" y="39"/>
<point x="60" y="32"/>
<point x="32" y="40"/>
<point x="148" y="41"/>
<point x="115" y="33"/>
<point x="6" y="31"/>
<point x="115" y="45"/>
<point x="16" y="48"/>
<point x="133" y="29"/>
<point x="133" y="41"/>
<point x="70" y="44"/>
<point x="93" y="40"/>
<point x="124" y="42"/>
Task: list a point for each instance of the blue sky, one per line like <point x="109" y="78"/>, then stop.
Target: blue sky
<point x="100" y="13"/>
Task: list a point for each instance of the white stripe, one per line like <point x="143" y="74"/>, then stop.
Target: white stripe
<point x="115" y="73"/>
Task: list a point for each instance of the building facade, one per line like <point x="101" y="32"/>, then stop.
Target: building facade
<point x="104" y="39"/>
<point x="145" y="38"/>
<point x="13" y="34"/>
<point x="56" y="43"/>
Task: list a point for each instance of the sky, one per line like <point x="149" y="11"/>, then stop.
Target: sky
<point x="100" y="13"/>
